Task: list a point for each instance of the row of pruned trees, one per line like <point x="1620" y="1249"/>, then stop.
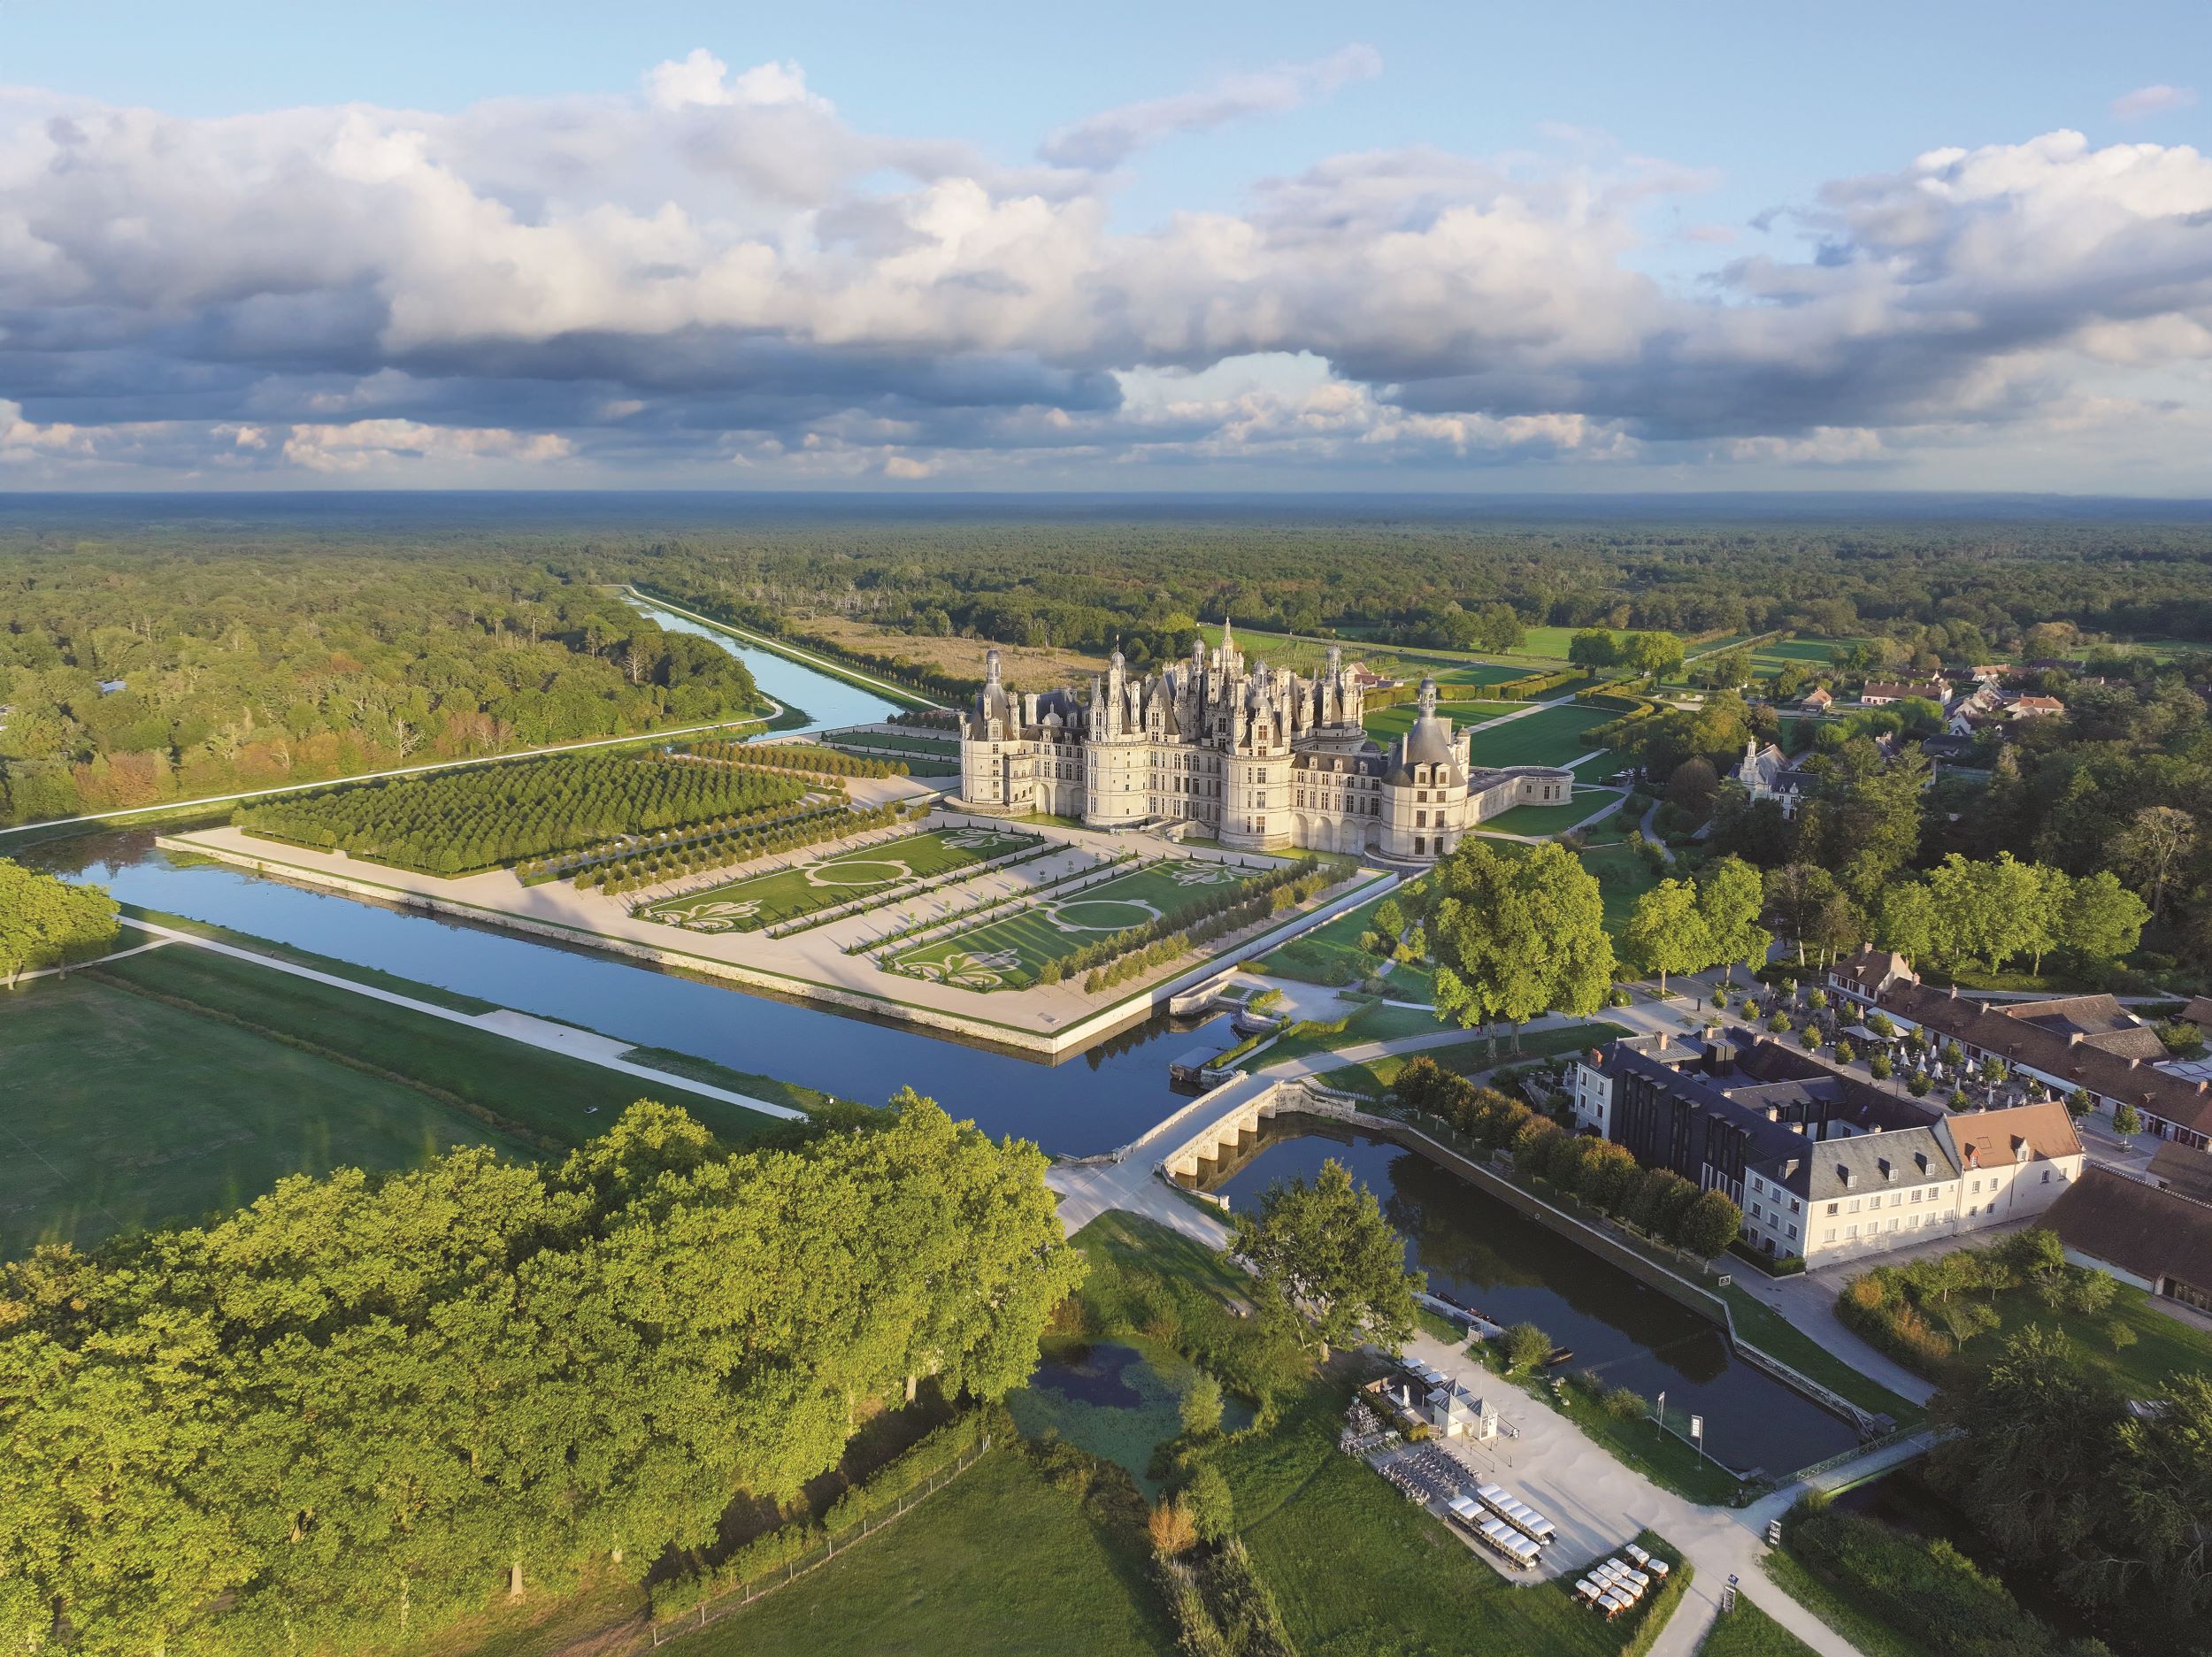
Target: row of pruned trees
<point x="456" y="822"/>
<point x="359" y="1409"/>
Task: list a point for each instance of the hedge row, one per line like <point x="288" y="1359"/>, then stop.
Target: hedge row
<point x="801" y="756"/>
<point x="645" y="869"/>
<point x="1148" y="946"/>
<point x="537" y="871"/>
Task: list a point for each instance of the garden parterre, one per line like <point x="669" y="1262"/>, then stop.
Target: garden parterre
<point x="776" y="895"/>
<point x="1012" y="951"/>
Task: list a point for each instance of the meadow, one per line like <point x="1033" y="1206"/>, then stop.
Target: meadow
<point x="776" y="895"/>
<point x="1011" y="951"/>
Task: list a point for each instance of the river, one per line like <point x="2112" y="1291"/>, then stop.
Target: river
<point x="1488" y="1255"/>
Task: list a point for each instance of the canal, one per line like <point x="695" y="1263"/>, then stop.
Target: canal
<point x="1490" y="1256"/>
<point x="829" y="703"/>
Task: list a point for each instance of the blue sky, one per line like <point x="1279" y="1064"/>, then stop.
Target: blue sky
<point x="1152" y="246"/>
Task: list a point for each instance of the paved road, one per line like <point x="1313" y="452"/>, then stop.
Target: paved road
<point x="1598" y="1503"/>
<point x="586" y="1046"/>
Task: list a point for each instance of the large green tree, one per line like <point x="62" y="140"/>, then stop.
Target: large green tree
<point x="45" y="921"/>
<point x="1666" y="933"/>
<point x="1325" y="1251"/>
<point x="1514" y="936"/>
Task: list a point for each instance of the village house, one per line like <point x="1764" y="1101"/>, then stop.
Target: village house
<point x="2067" y="1043"/>
<point x="1819" y="699"/>
<point x="1767" y="773"/>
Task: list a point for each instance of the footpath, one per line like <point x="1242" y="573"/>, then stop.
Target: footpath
<point x="584" y="1046"/>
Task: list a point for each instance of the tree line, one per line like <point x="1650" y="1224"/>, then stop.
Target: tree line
<point x="1599" y="1172"/>
<point x="356" y="1411"/>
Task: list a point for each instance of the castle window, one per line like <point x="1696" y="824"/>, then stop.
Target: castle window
<point x="1420" y="845"/>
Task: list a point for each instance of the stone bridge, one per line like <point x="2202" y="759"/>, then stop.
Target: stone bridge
<point x="1225" y="1120"/>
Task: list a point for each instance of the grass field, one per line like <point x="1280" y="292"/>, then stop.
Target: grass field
<point x="1011" y="950"/>
<point x="1550" y="736"/>
<point x="1385" y="725"/>
<point x="2164" y="1346"/>
<point x="1330" y="954"/>
<point x="1748" y="1632"/>
<point x="820" y="883"/>
<point x="1471" y="1056"/>
<point x="1358" y="1569"/>
<point x="997" y="1562"/>
<point x="1555" y="820"/>
<point x="147" y="1112"/>
<point x="561" y="1100"/>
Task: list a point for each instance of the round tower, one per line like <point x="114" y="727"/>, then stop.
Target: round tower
<point x="1255" y="811"/>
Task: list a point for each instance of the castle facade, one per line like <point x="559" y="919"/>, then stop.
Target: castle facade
<point x="1257" y="759"/>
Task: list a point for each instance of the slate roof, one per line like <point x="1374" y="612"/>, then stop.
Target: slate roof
<point x="2141" y="1229"/>
<point x="1864" y="1162"/>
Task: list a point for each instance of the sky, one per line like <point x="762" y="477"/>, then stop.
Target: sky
<point x="1149" y="246"/>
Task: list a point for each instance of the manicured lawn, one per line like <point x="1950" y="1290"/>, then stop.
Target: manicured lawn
<point x="1377" y="1077"/>
<point x="1556" y="819"/>
<point x="834" y="878"/>
<point x="127" y="1112"/>
<point x="1551" y="736"/>
<point x="1011" y="950"/>
<point x="1748" y="1632"/>
<point x="1386" y="725"/>
<point x="1330" y="954"/>
<point x="556" y="1100"/>
<point x="1550" y="642"/>
<point x="998" y="1562"/>
<point x="1357" y="1569"/>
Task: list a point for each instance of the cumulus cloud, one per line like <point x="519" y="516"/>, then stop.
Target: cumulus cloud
<point x="1110" y="137"/>
<point x="720" y="270"/>
<point x="2153" y="100"/>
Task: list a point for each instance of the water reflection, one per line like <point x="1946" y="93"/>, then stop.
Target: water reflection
<point x="1490" y="1256"/>
<point x="1120" y="1089"/>
<point x="829" y="702"/>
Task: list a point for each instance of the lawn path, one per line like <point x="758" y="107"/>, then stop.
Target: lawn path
<point x="588" y="1047"/>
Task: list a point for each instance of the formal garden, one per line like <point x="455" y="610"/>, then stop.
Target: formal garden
<point x="1038" y="942"/>
<point x="778" y="895"/>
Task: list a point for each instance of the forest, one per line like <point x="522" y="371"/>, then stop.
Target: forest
<point x="164" y="667"/>
<point x="342" y="1417"/>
